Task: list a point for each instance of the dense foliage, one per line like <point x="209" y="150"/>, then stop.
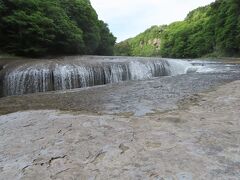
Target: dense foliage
<point x="213" y="30"/>
<point x="43" y="27"/>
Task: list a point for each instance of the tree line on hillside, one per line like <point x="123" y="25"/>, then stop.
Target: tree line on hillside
<point x="52" y="27"/>
<point x="213" y="30"/>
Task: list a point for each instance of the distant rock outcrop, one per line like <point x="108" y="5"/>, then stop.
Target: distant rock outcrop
<point x="147" y="43"/>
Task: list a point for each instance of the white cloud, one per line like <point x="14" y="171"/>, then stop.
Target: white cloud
<point x="127" y="18"/>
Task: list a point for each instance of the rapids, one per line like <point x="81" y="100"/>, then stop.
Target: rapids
<point x="84" y="71"/>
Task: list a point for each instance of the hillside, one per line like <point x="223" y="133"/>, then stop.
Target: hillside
<point x="52" y="27"/>
<point x="213" y="30"/>
<point x="144" y="44"/>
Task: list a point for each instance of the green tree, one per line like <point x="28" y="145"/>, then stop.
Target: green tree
<point x="123" y="49"/>
<point x="210" y="29"/>
<point x="43" y="27"/>
<point x="86" y="18"/>
<point x="107" y="41"/>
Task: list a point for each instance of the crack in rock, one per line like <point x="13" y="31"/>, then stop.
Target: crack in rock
<point x="48" y="163"/>
<point x="54" y="176"/>
<point x="28" y="125"/>
<point x="97" y="156"/>
<point x="55" y="158"/>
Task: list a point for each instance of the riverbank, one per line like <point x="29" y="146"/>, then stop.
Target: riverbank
<point x="198" y="140"/>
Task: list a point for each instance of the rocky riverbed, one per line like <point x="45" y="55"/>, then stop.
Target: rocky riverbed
<point x="175" y="128"/>
<point x="198" y="140"/>
<point x="132" y="97"/>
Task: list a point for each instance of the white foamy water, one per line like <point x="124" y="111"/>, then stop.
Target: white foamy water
<point x="74" y="72"/>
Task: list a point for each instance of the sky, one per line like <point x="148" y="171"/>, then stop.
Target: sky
<point x="127" y="18"/>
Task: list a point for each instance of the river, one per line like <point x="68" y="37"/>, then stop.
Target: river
<point x="120" y="84"/>
<point x="23" y="77"/>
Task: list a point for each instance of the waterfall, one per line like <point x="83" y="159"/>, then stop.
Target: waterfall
<point x="77" y="72"/>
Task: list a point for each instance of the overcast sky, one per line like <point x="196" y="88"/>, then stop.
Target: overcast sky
<point x="127" y="18"/>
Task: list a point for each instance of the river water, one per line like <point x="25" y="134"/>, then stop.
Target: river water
<point x="84" y="71"/>
<point x="118" y="84"/>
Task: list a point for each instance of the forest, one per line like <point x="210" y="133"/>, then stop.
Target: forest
<point x="210" y="31"/>
<point x="52" y="27"/>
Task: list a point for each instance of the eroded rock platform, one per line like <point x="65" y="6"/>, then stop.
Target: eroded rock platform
<point x="198" y="140"/>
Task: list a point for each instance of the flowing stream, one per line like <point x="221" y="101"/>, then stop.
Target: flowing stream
<point x="84" y="71"/>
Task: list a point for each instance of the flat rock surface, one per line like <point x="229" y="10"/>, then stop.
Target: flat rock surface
<point x="131" y="97"/>
<point x="198" y="140"/>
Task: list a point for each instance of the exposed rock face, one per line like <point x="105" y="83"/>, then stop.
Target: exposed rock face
<point x="200" y="140"/>
<point x="156" y="42"/>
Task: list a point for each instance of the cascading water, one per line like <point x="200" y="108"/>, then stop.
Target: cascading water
<point x="76" y="72"/>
